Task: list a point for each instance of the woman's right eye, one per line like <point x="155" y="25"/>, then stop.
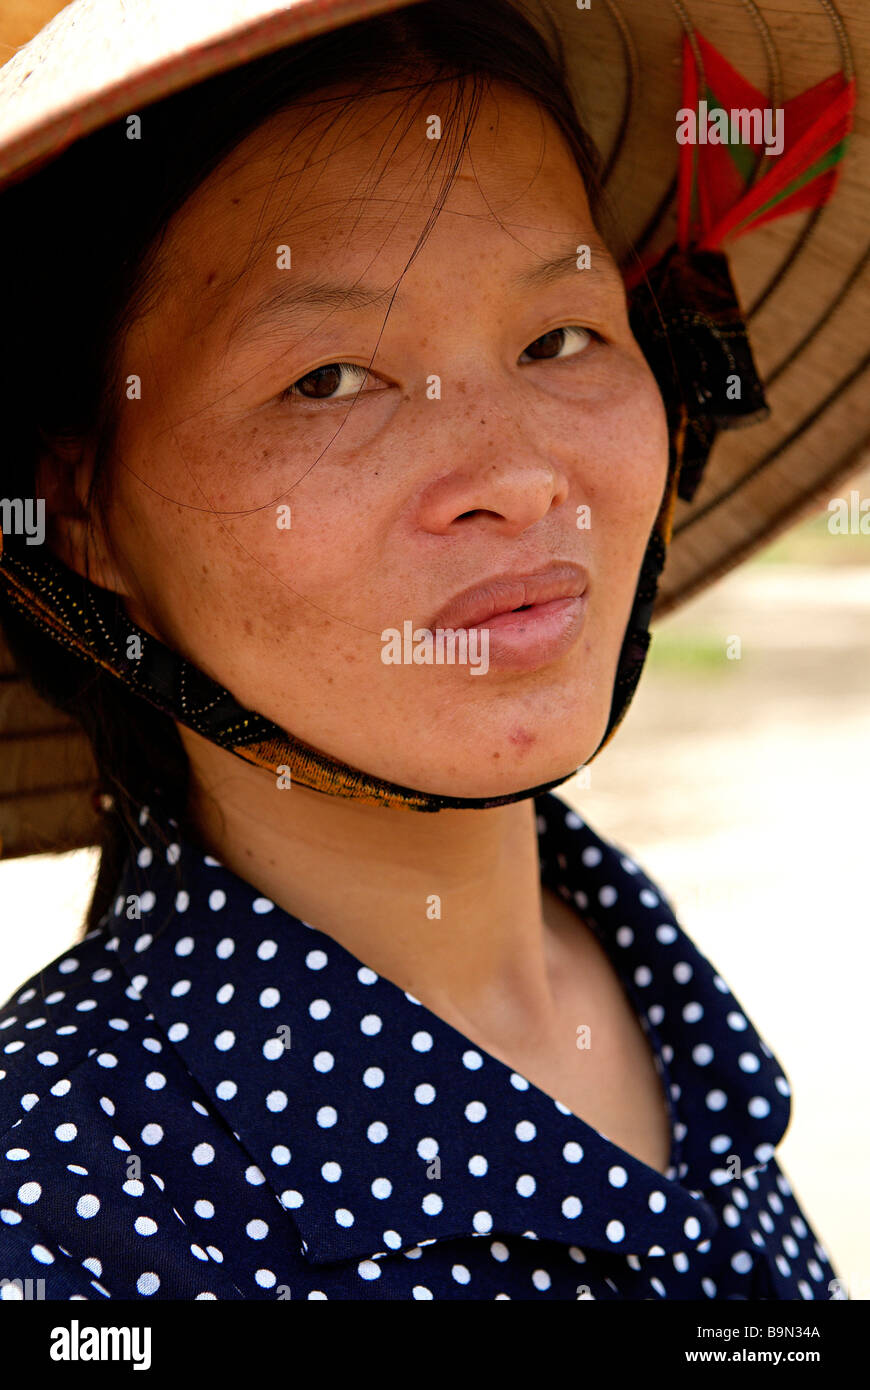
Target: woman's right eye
<point x="326" y="383"/>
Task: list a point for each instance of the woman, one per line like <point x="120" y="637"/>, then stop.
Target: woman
<point x="343" y="362"/>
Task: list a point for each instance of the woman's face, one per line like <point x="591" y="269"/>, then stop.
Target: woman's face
<point x="276" y="537"/>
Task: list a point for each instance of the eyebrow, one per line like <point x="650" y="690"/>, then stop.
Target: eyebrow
<point x="601" y="267"/>
<point x="297" y="297"/>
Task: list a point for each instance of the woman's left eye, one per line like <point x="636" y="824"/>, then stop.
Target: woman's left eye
<point x="327" y="383"/>
<point x="551" y="344"/>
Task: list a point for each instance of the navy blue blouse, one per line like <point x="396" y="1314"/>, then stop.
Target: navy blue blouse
<point x="216" y="1100"/>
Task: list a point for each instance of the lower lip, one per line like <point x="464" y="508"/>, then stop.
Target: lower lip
<point x="524" y="641"/>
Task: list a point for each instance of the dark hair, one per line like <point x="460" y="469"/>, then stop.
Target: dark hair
<point x="79" y="241"/>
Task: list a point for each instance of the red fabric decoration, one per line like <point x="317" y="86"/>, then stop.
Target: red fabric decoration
<point x="725" y="190"/>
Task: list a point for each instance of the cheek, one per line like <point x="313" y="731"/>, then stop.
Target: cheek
<point x="626" y="496"/>
<point x="630" y="490"/>
<point x="222" y="542"/>
<point x="318" y="548"/>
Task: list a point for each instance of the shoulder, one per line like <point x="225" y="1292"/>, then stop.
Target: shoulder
<point x="67" y="1012"/>
<point x="82" y="1062"/>
<point x="80" y="1051"/>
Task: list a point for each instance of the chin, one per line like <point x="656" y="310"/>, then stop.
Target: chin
<point x="484" y="776"/>
<point x="497" y="758"/>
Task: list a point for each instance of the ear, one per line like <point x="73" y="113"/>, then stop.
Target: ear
<point x="62" y="476"/>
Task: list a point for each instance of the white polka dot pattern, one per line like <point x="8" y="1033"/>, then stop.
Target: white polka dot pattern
<point x="219" y="1101"/>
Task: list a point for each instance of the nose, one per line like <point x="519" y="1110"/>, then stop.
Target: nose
<point x="502" y="481"/>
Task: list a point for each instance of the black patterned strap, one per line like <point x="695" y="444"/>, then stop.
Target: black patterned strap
<point x="689" y="324"/>
<point x="92" y="622"/>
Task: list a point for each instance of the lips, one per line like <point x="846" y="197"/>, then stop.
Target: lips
<point x="505" y="593"/>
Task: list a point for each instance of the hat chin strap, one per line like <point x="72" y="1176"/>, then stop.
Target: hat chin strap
<point x="93" y="623"/>
<point x="686" y="318"/>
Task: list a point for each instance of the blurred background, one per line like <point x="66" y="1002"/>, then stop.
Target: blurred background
<point x="742" y="786"/>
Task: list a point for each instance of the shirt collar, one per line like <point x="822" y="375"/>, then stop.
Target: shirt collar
<point x="374" y="1088"/>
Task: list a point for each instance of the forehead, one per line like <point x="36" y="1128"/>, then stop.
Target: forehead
<point x="348" y="183"/>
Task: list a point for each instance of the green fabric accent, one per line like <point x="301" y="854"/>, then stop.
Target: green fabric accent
<point x="743" y="157"/>
<point x="821" y="166"/>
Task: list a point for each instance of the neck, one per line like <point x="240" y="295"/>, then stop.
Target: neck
<point x="448" y="906"/>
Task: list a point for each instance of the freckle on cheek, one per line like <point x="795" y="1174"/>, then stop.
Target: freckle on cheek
<point x="249" y="626"/>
